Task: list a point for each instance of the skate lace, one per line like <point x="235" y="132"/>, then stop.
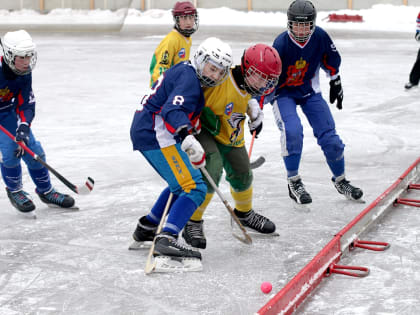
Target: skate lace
<point x="345" y="187"/>
<point x="195" y="230"/>
<point x="54" y="197"/>
<point x="20" y="197"/>
<point x="255" y="220"/>
<point x="175" y="243"/>
<point x="298" y="187"/>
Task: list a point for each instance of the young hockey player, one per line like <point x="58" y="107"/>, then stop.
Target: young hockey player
<point x="162" y="131"/>
<point x="17" y="110"/>
<point x="222" y="136"/>
<point x="175" y="47"/>
<point x="415" y="72"/>
<point x="303" y="49"/>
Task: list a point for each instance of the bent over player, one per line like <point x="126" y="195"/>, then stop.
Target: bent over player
<point x="17" y="110"/>
<point x="222" y="136"/>
<point x="305" y="48"/>
<point x="162" y="131"/>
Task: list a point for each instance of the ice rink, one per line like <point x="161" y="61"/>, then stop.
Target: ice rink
<point x="87" y="87"/>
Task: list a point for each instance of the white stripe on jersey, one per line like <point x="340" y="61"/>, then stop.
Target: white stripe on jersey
<point x="163" y="136"/>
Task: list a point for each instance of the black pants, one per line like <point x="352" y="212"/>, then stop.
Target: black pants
<point x="415" y="72"/>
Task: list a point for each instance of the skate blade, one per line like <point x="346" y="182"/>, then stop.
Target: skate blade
<point x="53" y="206"/>
<point x="256" y="234"/>
<point x="140" y="245"/>
<point x="301" y="207"/>
<point x="167" y="264"/>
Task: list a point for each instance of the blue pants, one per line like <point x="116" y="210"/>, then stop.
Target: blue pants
<point x="184" y="182"/>
<point x="320" y="118"/>
<point x="10" y="164"/>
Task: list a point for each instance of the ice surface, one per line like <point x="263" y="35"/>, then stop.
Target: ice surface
<point x="87" y="87"/>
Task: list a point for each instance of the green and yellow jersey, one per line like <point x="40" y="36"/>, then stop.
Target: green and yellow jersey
<point x="224" y="112"/>
<point x="173" y="49"/>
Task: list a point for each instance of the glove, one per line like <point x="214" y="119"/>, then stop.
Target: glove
<point x="195" y="151"/>
<point x="417" y="36"/>
<point x="256" y="116"/>
<point x="22" y="135"/>
<point x="336" y="92"/>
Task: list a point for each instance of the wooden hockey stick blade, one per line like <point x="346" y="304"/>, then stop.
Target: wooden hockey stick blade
<point x="258" y="162"/>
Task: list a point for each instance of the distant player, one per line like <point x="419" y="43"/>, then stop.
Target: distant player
<point x="222" y="136"/>
<point x="415" y="72"/>
<point x="305" y="48"/>
<point x="162" y="130"/>
<point x="17" y="110"/>
<point x="175" y="47"/>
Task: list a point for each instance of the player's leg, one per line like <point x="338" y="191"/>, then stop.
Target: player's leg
<point x="10" y="166"/>
<point x="193" y="232"/>
<point x="320" y="118"/>
<point x="414" y="74"/>
<point x="239" y="175"/>
<point x="291" y="140"/>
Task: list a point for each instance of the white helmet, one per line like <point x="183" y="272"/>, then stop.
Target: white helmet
<point x="216" y="52"/>
<point x="18" y="43"/>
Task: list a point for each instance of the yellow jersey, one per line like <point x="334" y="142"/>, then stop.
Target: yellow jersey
<point x="173" y="49"/>
<point x="224" y="112"/>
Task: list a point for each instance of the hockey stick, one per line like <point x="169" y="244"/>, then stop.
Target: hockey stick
<point x="149" y="264"/>
<point x="246" y="238"/>
<point x="258" y="162"/>
<point x="81" y="190"/>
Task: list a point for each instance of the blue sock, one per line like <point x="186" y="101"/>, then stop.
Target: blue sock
<point x="41" y="179"/>
<point x="292" y="164"/>
<point x="181" y="212"/>
<point x="156" y="213"/>
<point x="12" y="177"/>
<point x="336" y="167"/>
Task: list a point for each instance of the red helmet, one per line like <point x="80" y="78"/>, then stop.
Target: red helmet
<point x="185" y="8"/>
<point x="261" y="68"/>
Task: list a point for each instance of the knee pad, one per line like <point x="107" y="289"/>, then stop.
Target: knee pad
<point x="240" y="182"/>
<point x="198" y="194"/>
<point x="333" y="149"/>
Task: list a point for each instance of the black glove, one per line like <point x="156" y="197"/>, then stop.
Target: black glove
<point x="336" y="92"/>
<point x="22" y="135"/>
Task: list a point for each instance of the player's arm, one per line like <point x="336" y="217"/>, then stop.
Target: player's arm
<point x="162" y="58"/>
<point x="25" y="104"/>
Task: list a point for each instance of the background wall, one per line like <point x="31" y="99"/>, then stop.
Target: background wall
<point x="256" y="5"/>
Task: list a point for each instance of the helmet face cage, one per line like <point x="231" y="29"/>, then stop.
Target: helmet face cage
<point x="301" y="17"/>
<point x="258" y="83"/>
<point x="217" y="53"/>
<point x="183" y="9"/>
<point x="18" y="44"/>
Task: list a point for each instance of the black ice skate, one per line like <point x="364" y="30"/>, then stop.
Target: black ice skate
<point x="171" y="256"/>
<point x="344" y="187"/>
<point x="144" y="234"/>
<point x="193" y="234"/>
<point x="410" y="85"/>
<point x="255" y="222"/>
<point x="297" y="190"/>
<point x="22" y="202"/>
<point x="54" y="199"/>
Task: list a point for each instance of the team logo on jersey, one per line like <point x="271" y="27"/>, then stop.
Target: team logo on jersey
<point x="296" y="73"/>
<point x="181" y="53"/>
<point x="228" y="109"/>
<point x="165" y="58"/>
<point x="5" y="94"/>
<point x="235" y="122"/>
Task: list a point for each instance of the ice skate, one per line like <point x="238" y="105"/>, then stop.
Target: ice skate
<point x="54" y="199"/>
<point x="171" y="256"/>
<point x="22" y="201"/>
<point x="344" y="187"/>
<point x="143" y="235"/>
<point x="256" y="223"/>
<point x="193" y="234"/>
<point x="410" y="85"/>
<point x="297" y="190"/>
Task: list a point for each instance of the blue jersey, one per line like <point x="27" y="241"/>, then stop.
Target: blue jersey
<point x="301" y="63"/>
<point x="16" y="94"/>
<point x="175" y="101"/>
